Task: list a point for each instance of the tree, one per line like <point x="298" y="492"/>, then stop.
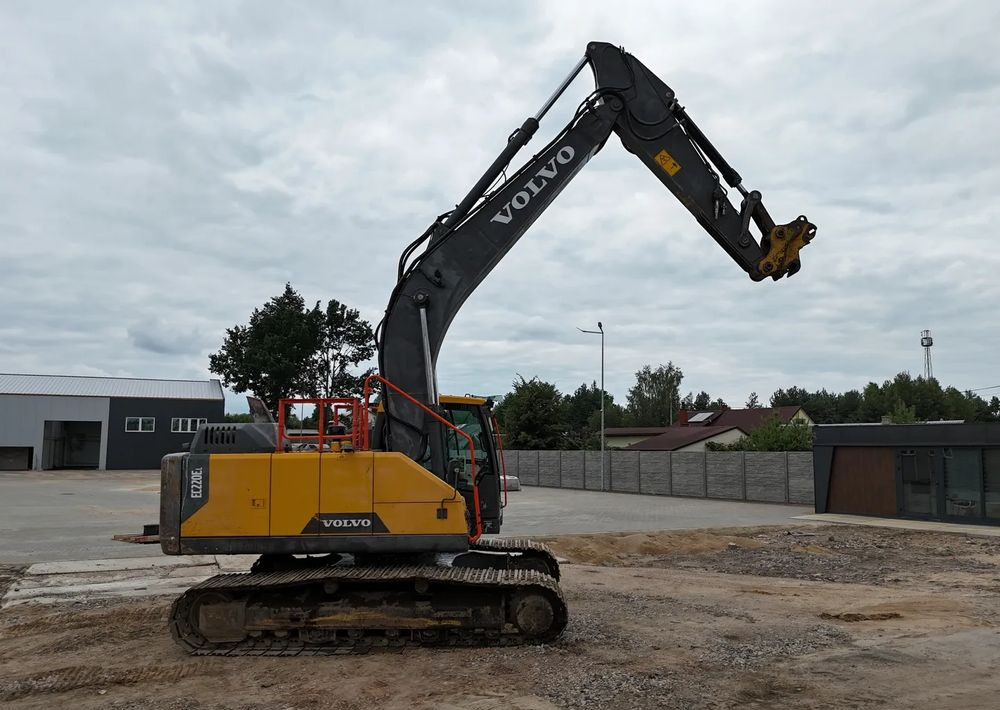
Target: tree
<point x="272" y="355"/>
<point x="702" y="402"/>
<point x="654" y="398"/>
<point x="753" y="402"/>
<point x="848" y="407"/>
<point x="529" y="416"/>
<point x="581" y="416"/>
<point x="345" y="340"/>
<point x="793" y="396"/>
<point x="901" y="414"/>
<point x="928" y="400"/>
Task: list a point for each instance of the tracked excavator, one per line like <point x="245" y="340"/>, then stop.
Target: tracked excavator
<point x="370" y="533"/>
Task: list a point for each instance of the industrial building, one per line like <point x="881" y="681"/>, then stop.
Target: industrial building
<point x="60" y="421"/>
<point x="937" y="471"/>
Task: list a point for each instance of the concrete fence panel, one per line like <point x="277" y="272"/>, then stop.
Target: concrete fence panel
<point x="654" y="473"/>
<point x="724" y="474"/>
<point x="510" y="462"/>
<point x="625" y="471"/>
<point x="592" y="470"/>
<point x="527" y="466"/>
<point x="800" y="477"/>
<point x="772" y="477"/>
<point x="687" y="473"/>
<point x="766" y="476"/>
<point x="572" y="469"/>
<point x="548" y="469"/>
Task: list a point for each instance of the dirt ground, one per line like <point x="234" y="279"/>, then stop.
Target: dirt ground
<point x="790" y="617"/>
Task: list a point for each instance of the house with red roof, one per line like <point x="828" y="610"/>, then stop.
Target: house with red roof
<point x="693" y="430"/>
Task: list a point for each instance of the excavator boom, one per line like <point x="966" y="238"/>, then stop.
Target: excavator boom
<point x="464" y="245"/>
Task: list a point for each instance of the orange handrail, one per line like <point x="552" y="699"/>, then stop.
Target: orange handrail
<point x="438" y="417"/>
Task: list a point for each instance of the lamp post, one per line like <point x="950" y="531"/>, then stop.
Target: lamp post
<point x="600" y="331"/>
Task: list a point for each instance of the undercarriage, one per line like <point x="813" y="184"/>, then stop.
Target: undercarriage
<point x="306" y="606"/>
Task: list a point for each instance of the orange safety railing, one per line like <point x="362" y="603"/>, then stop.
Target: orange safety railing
<point x="336" y="405"/>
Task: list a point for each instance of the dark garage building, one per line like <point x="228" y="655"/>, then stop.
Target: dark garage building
<point x="948" y="472"/>
<point x="60" y="421"/>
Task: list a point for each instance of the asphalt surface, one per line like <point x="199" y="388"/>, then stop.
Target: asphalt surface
<point x="71" y="515"/>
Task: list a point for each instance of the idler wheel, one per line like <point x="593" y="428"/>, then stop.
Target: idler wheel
<point x="533" y="614"/>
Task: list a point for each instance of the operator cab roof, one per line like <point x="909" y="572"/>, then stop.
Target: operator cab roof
<point x="456" y="399"/>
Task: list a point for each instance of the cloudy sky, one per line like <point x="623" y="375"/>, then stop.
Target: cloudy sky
<point x="166" y="168"/>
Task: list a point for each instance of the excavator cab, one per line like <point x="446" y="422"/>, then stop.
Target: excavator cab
<point x="474" y="416"/>
<point x="479" y="472"/>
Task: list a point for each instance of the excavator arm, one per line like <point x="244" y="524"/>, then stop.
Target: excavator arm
<point x="462" y="246"/>
<point x="653" y="126"/>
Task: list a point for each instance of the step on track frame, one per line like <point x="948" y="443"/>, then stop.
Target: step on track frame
<point x="538" y="555"/>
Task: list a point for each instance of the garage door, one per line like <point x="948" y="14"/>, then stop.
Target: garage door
<point x="15" y="458"/>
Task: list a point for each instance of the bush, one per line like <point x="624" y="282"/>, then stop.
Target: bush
<point x="772" y="435"/>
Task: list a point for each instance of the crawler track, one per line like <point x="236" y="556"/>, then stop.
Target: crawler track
<point x="536" y="552"/>
<point x="343" y="609"/>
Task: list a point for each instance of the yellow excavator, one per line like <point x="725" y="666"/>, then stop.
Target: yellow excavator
<point x="370" y="532"/>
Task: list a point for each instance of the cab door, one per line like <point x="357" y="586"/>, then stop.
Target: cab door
<point x="472" y="420"/>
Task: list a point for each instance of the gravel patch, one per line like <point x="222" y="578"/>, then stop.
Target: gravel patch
<point x="846" y="554"/>
<point x="761" y="649"/>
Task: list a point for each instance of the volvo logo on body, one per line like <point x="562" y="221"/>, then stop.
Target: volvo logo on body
<point x="344" y="523"/>
<point x="347" y="523"/>
<point x="535" y="185"/>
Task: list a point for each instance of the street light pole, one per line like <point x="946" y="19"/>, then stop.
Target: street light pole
<point x="600" y="331"/>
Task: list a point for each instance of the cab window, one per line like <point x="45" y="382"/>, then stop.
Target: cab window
<point x="467" y="419"/>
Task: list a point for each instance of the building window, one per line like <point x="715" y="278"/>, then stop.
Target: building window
<point x="143" y="424"/>
<point x="186" y="424"/>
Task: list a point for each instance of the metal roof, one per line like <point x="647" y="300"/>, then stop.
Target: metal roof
<point x="678" y="437"/>
<point x="75" y="386"/>
<point x="635" y="430"/>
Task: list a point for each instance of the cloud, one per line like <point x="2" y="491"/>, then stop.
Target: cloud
<point x="167" y="168"/>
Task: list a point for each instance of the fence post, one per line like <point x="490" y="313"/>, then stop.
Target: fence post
<point x="786" y="476"/>
<point x="704" y="473"/>
<point x="670" y="472"/>
<point x="743" y="475"/>
<point x="560" y="468"/>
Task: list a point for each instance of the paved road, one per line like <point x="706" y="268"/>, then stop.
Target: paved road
<point x="71" y="515"/>
<point x="555" y="511"/>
